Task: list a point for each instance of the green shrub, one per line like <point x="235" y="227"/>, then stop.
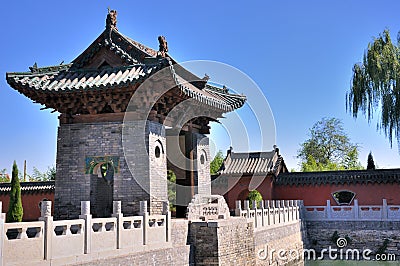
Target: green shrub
<point x="171" y="190"/>
<point x="15" y="210"/>
<point x="255" y="195"/>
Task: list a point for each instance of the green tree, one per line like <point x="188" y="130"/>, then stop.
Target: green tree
<point x="50" y="174"/>
<point x="4" y="178"/>
<point x="328" y="148"/>
<point x="216" y="163"/>
<point x="15" y="210"/>
<point x="171" y="177"/>
<point x="370" y="162"/>
<point x="254" y="195"/>
<point x="375" y="86"/>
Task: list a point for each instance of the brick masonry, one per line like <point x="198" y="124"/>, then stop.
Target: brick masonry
<point x="225" y="242"/>
<point x="287" y="237"/>
<point x="360" y="235"/>
<point x="76" y="142"/>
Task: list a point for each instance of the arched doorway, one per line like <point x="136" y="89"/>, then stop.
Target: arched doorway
<point x="243" y="195"/>
<point x="101" y="189"/>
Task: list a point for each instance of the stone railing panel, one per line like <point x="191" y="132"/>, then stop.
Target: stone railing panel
<point x="370" y="212"/>
<point x="156" y="229"/>
<point x="71" y="232"/>
<point x="132" y="232"/>
<point x="393" y="212"/>
<point x="23" y="243"/>
<point x="104" y="234"/>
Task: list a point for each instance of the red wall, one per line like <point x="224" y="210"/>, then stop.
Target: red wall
<point x="30" y="203"/>
<point x="316" y="195"/>
<point x="240" y="188"/>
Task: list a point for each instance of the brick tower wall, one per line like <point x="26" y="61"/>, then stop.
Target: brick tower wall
<point x="78" y="143"/>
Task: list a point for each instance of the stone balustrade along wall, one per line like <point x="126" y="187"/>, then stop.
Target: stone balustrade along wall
<point x="269" y="212"/>
<point x="147" y="239"/>
<point x="382" y="212"/>
<point x="48" y="242"/>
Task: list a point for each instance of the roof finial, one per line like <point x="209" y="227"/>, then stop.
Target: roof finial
<point x="33" y="68"/>
<point x="111" y="20"/>
<point x="163" y="47"/>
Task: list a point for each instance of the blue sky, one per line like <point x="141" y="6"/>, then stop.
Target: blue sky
<point x="300" y="53"/>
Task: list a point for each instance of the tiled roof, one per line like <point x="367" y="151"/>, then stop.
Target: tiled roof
<point x="29" y="187"/>
<point x="210" y="95"/>
<point x="130" y="51"/>
<point x="252" y="163"/>
<point x="340" y="177"/>
<point x="53" y="79"/>
<point x="140" y="63"/>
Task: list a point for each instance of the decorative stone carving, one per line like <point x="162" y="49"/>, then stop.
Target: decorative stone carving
<point x="45" y="208"/>
<point x="208" y="207"/>
<point x="111" y="20"/>
<point x="163" y="47"/>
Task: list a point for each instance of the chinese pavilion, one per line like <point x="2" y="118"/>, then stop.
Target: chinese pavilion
<point x="101" y="156"/>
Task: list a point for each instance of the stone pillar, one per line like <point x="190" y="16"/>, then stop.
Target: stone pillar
<point x="356" y="210"/>
<point x="328" y="209"/>
<point x="246" y="205"/>
<point x="119" y="215"/>
<point x="85" y="214"/>
<point x="238" y="207"/>
<point x="45" y="215"/>
<point x="143" y="212"/>
<point x="384" y="210"/>
<point x="167" y="214"/>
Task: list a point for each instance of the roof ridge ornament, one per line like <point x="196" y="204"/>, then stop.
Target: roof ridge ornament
<point x="34" y="68"/>
<point x="111" y="20"/>
<point x="163" y="47"/>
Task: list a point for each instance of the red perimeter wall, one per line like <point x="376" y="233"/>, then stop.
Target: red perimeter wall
<point x="316" y="195"/>
<point x="30" y="203"/>
<point x="312" y="195"/>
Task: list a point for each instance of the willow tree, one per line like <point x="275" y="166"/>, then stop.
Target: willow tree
<point x="375" y="86"/>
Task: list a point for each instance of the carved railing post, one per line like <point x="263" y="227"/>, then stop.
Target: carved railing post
<point x="85" y="214"/>
<point x="143" y="212"/>
<point x="238" y="208"/>
<point x="356" y="210"/>
<point x="167" y="214"/>
<point x="293" y="210"/>
<point x="246" y="207"/>
<point x="384" y="210"/>
<point x="45" y="215"/>
<point x="328" y="209"/>
<point x="119" y="215"/>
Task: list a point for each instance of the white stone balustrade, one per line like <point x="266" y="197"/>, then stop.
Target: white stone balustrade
<point x="354" y="212"/>
<point x="23" y="243"/>
<point x="269" y="212"/>
<point x="49" y="242"/>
